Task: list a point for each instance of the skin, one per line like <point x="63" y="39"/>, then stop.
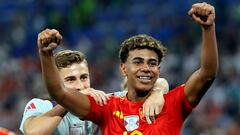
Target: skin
<point x="196" y="86"/>
<point x="140" y="63"/>
<point x="75" y="76"/>
<point x="199" y="82"/>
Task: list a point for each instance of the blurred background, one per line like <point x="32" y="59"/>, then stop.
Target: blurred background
<point x="97" y="28"/>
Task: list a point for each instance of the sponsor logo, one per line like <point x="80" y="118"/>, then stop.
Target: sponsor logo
<point x="118" y="114"/>
<point x="31" y="106"/>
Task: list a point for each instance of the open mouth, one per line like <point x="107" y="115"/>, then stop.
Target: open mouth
<point x="144" y="78"/>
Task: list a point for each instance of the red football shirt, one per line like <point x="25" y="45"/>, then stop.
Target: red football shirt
<point x="122" y="117"/>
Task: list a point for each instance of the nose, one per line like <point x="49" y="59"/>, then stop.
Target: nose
<point x="79" y="85"/>
<point x="145" y="67"/>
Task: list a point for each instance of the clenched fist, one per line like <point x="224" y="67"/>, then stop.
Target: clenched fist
<point x="203" y="14"/>
<point x="48" y="40"/>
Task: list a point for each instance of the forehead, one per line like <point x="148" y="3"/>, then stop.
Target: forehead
<point x="142" y="53"/>
<point x="74" y="70"/>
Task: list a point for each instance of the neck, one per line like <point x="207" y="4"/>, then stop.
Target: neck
<point x="137" y="96"/>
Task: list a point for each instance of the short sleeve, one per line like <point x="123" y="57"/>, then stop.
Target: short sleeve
<point x="35" y="107"/>
<point x="180" y="101"/>
<point x="187" y="108"/>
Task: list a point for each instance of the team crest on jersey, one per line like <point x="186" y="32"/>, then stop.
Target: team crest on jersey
<point x="131" y="122"/>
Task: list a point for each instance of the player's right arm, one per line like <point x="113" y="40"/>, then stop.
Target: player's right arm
<point x="44" y="124"/>
<point x="72" y="100"/>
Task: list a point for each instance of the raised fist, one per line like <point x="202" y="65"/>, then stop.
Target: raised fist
<point x="203" y="14"/>
<point x="48" y="40"/>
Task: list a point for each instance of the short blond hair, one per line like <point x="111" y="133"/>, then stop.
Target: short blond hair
<point x="66" y="58"/>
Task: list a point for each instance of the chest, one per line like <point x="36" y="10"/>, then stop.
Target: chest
<point x="71" y="125"/>
<point x="129" y="120"/>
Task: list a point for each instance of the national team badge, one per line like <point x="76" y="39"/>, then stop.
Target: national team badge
<point x="131" y="122"/>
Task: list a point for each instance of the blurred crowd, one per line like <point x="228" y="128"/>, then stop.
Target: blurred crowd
<point x="97" y="28"/>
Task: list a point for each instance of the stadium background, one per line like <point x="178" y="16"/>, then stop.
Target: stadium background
<point x="97" y="28"/>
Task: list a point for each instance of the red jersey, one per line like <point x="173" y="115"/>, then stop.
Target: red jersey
<point x="4" y="131"/>
<point x="122" y="117"/>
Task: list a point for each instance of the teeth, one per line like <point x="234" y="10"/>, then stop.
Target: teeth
<point x="144" y="77"/>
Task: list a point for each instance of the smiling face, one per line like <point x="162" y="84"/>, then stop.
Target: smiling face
<point x="76" y="76"/>
<point x="142" y="69"/>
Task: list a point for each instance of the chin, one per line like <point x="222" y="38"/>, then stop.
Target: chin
<point x="145" y="88"/>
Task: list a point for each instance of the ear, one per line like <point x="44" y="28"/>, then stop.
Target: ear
<point x="159" y="69"/>
<point x="123" y="69"/>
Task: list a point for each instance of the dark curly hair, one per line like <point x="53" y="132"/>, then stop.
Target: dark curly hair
<point x="141" y="42"/>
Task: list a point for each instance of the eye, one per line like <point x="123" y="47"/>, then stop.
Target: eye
<point x="153" y="63"/>
<point x="70" y="79"/>
<point x="84" y="77"/>
<point x="137" y="62"/>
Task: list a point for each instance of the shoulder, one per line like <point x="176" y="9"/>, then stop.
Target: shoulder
<point x="117" y="97"/>
<point x="176" y="92"/>
<point x="36" y="102"/>
<point x="120" y="93"/>
<point x="177" y="96"/>
<point x="38" y="105"/>
<point x="118" y="101"/>
<point x="35" y="107"/>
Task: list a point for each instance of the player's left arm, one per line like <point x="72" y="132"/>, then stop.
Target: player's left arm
<point x="201" y="80"/>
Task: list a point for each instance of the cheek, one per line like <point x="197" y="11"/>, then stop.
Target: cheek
<point x="69" y="85"/>
<point x="86" y="84"/>
<point x="156" y="71"/>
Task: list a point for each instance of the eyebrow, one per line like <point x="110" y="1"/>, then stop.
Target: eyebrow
<point x="69" y="77"/>
<point x="86" y="74"/>
<point x="153" y="60"/>
<point x="137" y="58"/>
<point x="140" y="58"/>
